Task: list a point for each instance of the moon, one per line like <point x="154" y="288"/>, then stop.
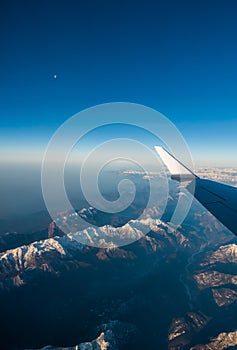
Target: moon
<point x="55" y="76"/>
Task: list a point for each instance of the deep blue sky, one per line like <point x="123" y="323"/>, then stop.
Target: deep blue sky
<point x="179" y="57"/>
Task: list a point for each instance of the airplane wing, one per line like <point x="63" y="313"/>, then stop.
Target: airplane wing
<point x="218" y="198"/>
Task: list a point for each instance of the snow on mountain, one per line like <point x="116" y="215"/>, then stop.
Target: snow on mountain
<point x="221" y="342"/>
<point x="224" y="296"/>
<point x="225" y="254"/>
<point x="53" y="253"/>
<point x="35" y="255"/>
<point x="209" y="279"/>
<point x="110" y="237"/>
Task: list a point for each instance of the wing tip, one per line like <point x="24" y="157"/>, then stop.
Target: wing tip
<point x="175" y="167"/>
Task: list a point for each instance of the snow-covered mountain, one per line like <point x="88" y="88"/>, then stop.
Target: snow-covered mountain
<point x="54" y="255"/>
<point x="71" y="282"/>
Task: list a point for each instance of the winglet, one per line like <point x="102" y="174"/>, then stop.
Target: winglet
<point x="177" y="170"/>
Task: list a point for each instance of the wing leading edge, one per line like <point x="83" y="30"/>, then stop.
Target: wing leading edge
<point x="218" y="198"/>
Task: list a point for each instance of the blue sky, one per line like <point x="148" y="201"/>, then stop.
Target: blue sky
<point x="178" y="57"/>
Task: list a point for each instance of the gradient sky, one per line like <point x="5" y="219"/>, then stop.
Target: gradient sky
<point x="179" y="57"/>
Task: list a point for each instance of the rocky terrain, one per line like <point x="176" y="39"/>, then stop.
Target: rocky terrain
<point x="213" y="278"/>
<point x="171" y="288"/>
<point x="219" y="274"/>
<point x="222" y="341"/>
